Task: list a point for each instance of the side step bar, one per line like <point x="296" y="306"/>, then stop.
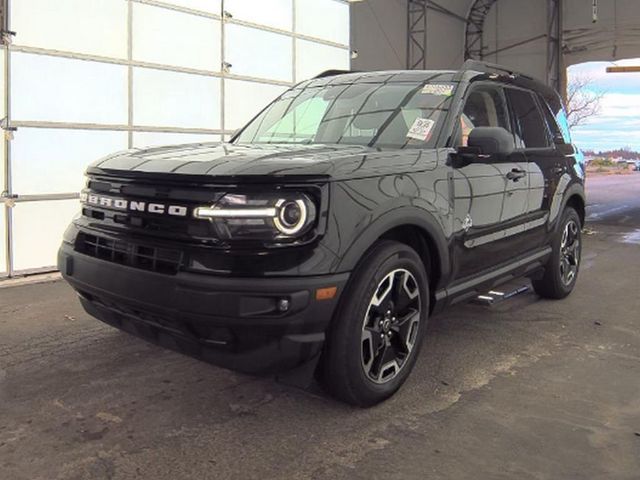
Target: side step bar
<point x="495" y="296"/>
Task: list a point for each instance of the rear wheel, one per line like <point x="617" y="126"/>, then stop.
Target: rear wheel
<point x="561" y="271"/>
<point x="376" y="335"/>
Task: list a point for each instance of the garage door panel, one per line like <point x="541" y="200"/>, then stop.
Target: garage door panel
<point x="37" y="231"/>
<point x="171" y="99"/>
<point x="272" y="13"/>
<point x="314" y="58"/>
<point x="74" y="90"/>
<point x="256" y="53"/>
<point x="209" y="6"/>
<point x="243" y="100"/>
<point x="97" y="27"/>
<point x="168" y="37"/>
<point x="325" y="19"/>
<point x="46" y="161"/>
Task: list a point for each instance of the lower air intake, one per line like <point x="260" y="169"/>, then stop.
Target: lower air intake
<point x="161" y="260"/>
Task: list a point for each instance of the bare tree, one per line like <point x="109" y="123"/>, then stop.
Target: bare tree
<point x="583" y="102"/>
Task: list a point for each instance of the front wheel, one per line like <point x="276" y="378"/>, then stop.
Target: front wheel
<point x="561" y="271"/>
<point x="376" y="335"/>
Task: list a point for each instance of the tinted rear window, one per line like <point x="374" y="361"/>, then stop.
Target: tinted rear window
<point x="531" y="128"/>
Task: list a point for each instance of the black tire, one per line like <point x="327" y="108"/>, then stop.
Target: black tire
<point x="554" y="284"/>
<point x="349" y="361"/>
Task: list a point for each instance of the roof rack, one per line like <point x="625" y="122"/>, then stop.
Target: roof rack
<point x="487" y="67"/>
<point x="491" y="68"/>
<point x="332" y="73"/>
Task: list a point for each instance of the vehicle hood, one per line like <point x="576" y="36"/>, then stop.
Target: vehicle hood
<point x="228" y="162"/>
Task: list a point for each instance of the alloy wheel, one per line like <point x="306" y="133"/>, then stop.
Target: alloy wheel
<point x="569" y="252"/>
<point x="390" y="326"/>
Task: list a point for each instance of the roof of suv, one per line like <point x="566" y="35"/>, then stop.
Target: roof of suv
<point x="470" y="70"/>
<point x="473" y="66"/>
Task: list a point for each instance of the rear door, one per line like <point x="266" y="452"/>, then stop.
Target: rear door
<point x="567" y="155"/>
<point x="545" y="160"/>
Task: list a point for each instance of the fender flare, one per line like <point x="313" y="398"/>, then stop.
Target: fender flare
<point x="571" y="190"/>
<point x="400" y="217"/>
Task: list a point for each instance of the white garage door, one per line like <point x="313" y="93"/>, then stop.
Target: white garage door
<point x="83" y="78"/>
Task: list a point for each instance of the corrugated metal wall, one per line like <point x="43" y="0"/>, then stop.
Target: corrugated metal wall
<point x="614" y="36"/>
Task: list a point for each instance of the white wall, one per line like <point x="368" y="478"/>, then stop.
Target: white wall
<point x="379" y="34"/>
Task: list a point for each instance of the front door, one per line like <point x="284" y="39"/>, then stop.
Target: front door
<point x="491" y="197"/>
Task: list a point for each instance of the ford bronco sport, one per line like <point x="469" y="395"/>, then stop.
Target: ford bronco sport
<point x="330" y="228"/>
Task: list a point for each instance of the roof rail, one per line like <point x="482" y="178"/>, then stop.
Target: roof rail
<point x="487" y="67"/>
<point x="332" y="73"/>
<point x="491" y="68"/>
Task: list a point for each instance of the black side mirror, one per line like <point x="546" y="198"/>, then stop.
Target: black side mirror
<point x="492" y="141"/>
<point x="483" y="143"/>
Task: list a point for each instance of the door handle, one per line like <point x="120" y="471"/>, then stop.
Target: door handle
<point x="516" y="174"/>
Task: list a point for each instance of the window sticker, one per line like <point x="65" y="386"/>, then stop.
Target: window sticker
<point x="439" y="89"/>
<point x="421" y="129"/>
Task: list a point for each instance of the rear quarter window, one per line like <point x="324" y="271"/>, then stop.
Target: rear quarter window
<point x="563" y="123"/>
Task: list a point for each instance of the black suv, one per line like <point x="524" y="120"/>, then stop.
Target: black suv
<point x="329" y="229"/>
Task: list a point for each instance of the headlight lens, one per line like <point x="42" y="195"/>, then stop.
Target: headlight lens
<point x="260" y="217"/>
<point x="291" y="216"/>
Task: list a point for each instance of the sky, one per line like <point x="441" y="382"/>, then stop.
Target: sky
<point x="618" y="123"/>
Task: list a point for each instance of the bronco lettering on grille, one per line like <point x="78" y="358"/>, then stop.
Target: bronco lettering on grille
<point x="133" y="206"/>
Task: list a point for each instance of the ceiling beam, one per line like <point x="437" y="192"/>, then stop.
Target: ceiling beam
<point x="474" y="33"/>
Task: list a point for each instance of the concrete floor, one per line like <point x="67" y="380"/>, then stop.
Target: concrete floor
<point x="528" y="389"/>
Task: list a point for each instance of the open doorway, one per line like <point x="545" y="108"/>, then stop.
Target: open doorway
<point x="604" y="112"/>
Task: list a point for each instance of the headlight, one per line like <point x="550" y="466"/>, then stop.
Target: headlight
<point x="291" y="216"/>
<point x="260" y="217"/>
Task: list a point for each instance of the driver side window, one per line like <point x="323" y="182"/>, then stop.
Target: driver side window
<point x="484" y="107"/>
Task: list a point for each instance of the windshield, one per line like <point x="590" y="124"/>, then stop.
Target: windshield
<point x="383" y="114"/>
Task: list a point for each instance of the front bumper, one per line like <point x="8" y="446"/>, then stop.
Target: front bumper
<point x="233" y="322"/>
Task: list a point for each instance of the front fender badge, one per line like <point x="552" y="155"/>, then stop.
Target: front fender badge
<point x="467" y="223"/>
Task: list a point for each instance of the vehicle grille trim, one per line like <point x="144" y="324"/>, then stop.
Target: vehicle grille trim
<point x="145" y="257"/>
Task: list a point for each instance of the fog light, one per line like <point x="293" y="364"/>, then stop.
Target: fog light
<point x="283" y="305"/>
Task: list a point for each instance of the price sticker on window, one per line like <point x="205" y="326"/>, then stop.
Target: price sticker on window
<point x="421" y="129"/>
<point x="439" y="89"/>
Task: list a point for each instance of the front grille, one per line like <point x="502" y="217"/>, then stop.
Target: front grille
<point x="142" y="222"/>
<point x="161" y="260"/>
